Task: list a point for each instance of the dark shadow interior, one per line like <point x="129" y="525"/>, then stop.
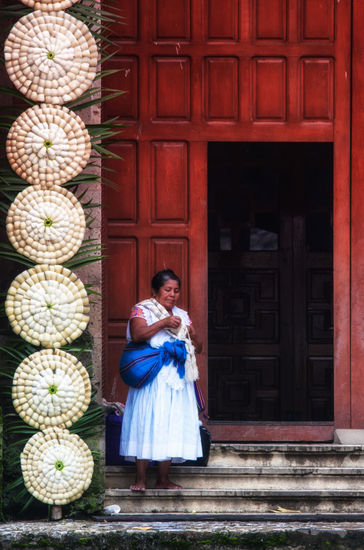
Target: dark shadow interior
<point x="270" y="282"/>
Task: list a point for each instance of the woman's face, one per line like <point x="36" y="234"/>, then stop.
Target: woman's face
<point x="168" y="294"/>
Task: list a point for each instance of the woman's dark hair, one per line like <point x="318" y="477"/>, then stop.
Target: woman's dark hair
<point x="162" y="276"/>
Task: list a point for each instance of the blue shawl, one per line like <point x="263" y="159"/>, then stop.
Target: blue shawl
<point x="140" y="363"/>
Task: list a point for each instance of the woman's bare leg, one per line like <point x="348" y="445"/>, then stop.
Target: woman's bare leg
<point x="141" y="476"/>
<point x="163" y="481"/>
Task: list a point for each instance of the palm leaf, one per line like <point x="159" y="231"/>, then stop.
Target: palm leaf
<point x="14" y="93"/>
<point x="96" y="101"/>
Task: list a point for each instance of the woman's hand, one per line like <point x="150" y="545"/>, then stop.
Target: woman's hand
<point x="173" y="321"/>
<point x="140" y="331"/>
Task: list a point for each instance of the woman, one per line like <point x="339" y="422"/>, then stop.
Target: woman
<point x="161" y="417"/>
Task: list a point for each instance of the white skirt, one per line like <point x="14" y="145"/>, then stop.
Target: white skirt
<point x="161" y="423"/>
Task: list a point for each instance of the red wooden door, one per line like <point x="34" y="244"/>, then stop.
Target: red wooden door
<point x="197" y="71"/>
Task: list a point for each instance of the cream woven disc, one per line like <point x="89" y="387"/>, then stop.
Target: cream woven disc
<point x="49" y="5"/>
<point x="51" y="388"/>
<point x="57" y="466"/>
<point x="46" y="225"/>
<point x="50" y="57"/>
<point x="48" y="145"/>
<point x="47" y="306"/>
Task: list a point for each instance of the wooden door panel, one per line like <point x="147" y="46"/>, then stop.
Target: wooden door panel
<point x="244" y="388"/>
<point x="270" y="20"/>
<point x="172" y="20"/>
<point x="121" y="199"/>
<point x="318" y="20"/>
<point x="243" y="306"/>
<point x="121" y="279"/>
<point x="222" y="24"/>
<point x="126" y="78"/>
<point x="221" y="103"/>
<point x="320" y="382"/>
<point x="269" y="74"/>
<point x="170" y="88"/>
<point x="317" y="89"/>
<point x="127" y="29"/>
<point x="170" y="182"/>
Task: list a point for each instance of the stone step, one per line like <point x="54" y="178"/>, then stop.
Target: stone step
<point x="246" y="478"/>
<point x="239" y="501"/>
<point x="252" y="478"/>
<point x="249" y="455"/>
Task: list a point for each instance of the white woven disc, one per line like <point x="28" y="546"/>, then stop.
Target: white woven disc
<point x="51" y="388"/>
<point x="48" y="145"/>
<point x="50" y="57"/>
<point x="49" y="5"/>
<point x="57" y="466"/>
<point x="46" y="225"/>
<point x="47" y="306"/>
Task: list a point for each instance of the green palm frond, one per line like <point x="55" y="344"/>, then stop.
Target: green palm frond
<point x="14" y="93"/>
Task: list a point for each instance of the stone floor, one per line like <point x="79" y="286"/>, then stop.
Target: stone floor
<point x="181" y="535"/>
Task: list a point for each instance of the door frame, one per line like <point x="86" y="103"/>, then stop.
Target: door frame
<point x="355" y="375"/>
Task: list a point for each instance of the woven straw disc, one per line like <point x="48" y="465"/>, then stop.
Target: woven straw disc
<point x="51" y="388"/>
<point x="48" y="145"/>
<point x="46" y="225"/>
<point x="50" y="57"/>
<point x="49" y="5"/>
<point x="57" y="466"/>
<point x="47" y="306"/>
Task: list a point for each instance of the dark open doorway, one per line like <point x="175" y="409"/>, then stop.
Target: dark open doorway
<point x="270" y="282"/>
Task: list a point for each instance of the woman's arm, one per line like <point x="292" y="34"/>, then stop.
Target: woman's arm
<point x="195" y="340"/>
<point x="140" y="331"/>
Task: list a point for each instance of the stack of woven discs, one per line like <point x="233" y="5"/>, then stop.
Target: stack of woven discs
<point x="51" y="58"/>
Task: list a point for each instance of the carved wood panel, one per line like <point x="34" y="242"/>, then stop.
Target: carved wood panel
<point x="170" y="88"/>
<point x="221" y="102"/>
<point x="127" y="79"/>
<point x="244" y="387"/>
<point x="269" y="73"/>
<point x="172" y="20"/>
<point x="318" y="20"/>
<point x="270" y="293"/>
<point x="170" y="182"/>
<point x="121" y="199"/>
<point x="317" y="88"/>
<point x="270" y="20"/>
<point x="222" y="24"/>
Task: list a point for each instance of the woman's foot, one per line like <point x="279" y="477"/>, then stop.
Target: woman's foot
<point x="167" y="484"/>
<point x="141" y="476"/>
<point x="139" y="486"/>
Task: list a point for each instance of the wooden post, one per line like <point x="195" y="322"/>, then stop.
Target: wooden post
<point x="56" y="513"/>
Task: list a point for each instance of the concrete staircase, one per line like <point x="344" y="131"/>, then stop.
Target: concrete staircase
<point x="247" y="478"/>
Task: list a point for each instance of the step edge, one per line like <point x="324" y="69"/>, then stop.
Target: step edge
<point x="283" y="447"/>
<point x="244" y="470"/>
<point x="232" y="516"/>
<point x="293" y="493"/>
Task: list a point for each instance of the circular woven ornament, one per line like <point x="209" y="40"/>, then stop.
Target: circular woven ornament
<point x="46" y="225"/>
<point x="57" y="466"/>
<point x="49" y="5"/>
<point x="47" y="306"/>
<point x="51" y="388"/>
<point x="48" y="145"/>
<point x="50" y="57"/>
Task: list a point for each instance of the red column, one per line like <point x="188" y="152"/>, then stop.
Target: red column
<point x="357" y="219"/>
